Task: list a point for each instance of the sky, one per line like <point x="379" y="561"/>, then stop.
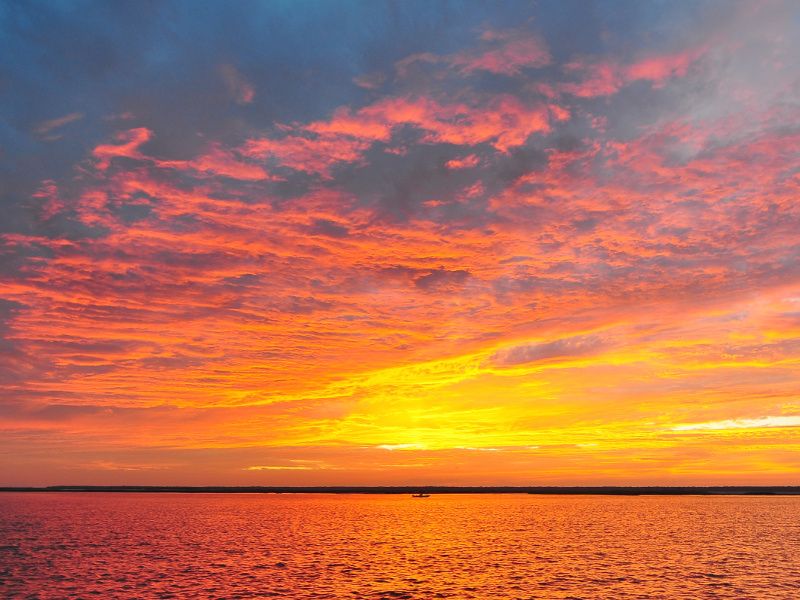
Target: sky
<point x="399" y="242"/>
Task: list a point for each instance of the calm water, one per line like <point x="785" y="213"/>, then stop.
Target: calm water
<point x="70" y="545"/>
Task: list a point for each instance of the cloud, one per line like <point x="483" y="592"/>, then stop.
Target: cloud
<point x="606" y="78"/>
<point x="441" y="278"/>
<point x="503" y="121"/>
<point x="329" y="228"/>
<point x="371" y="81"/>
<point x="219" y="161"/>
<point x="508" y="53"/>
<point x="467" y="162"/>
<point x="335" y="229"/>
<point x="576" y="346"/>
<point x="279" y="468"/>
<point x="399" y="446"/>
<point x="47" y="126"/>
<point x="315" y="154"/>
<point x="129" y="148"/>
<point x="659" y="69"/>
<point x="239" y="88"/>
<point x="774" y="421"/>
<point x="505" y="52"/>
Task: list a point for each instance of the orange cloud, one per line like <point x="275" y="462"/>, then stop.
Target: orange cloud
<point x="467" y="162"/>
<point x="309" y="152"/>
<point x="502" y="121"/>
<point x="131" y="140"/>
<point x="221" y="162"/>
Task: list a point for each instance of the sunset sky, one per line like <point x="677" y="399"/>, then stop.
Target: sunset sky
<point x="408" y="242"/>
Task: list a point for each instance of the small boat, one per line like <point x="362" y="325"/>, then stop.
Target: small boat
<point x="420" y="495"/>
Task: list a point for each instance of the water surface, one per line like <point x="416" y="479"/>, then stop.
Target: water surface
<point x="118" y="545"/>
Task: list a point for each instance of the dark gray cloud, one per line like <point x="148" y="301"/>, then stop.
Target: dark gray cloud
<point x="441" y="278"/>
<point x="15" y="364"/>
<point x="328" y="228"/>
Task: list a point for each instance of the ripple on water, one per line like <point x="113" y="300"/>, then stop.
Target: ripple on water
<point x="390" y="547"/>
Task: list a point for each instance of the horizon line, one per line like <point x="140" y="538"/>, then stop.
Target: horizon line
<point x="437" y="489"/>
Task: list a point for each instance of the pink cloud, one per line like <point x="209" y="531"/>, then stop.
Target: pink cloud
<point x="371" y="81"/>
<point x="517" y="50"/>
<point x="660" y="68"/>
<point x="606" y="78"/>
<point x="50" y="197"/>
<point x="239" y="88"/>
<point x="601" y="79"/>
<point x="403" y="67"/>
<point x="467" y="162"/>
<point x="218" y="161"/>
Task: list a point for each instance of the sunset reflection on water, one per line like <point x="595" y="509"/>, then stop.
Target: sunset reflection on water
<point x="383" y="546"/>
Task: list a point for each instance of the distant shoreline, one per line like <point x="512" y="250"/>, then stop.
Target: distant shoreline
<point x="428" y="489"/>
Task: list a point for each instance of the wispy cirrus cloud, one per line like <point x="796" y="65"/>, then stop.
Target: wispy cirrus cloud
<point x="571" y="347"/>
<point x="46" y="127"/>
<point x="778" y="421"/>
